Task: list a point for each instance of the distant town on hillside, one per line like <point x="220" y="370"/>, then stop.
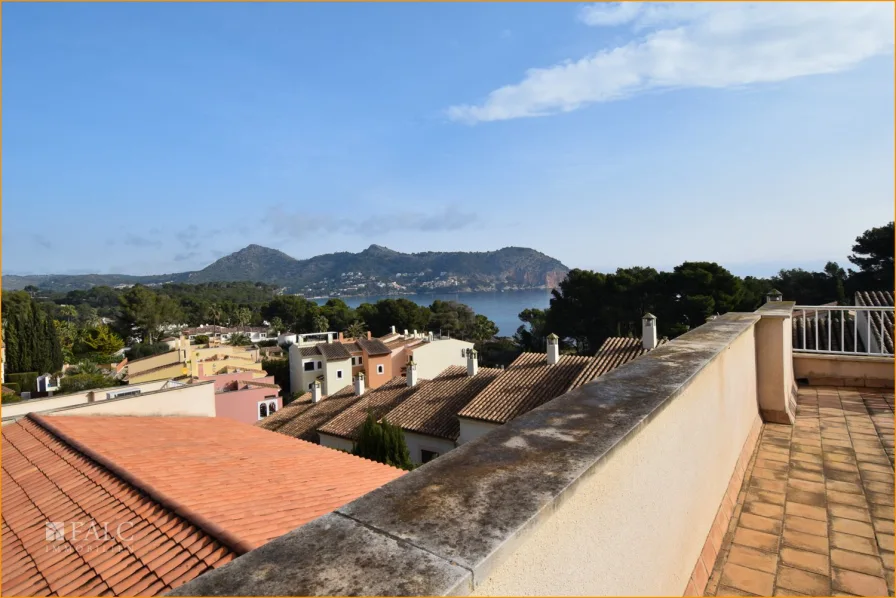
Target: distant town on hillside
<point x="376" y="270"/>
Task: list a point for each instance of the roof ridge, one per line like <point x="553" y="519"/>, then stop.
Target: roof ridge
<point x="228" y="539"/>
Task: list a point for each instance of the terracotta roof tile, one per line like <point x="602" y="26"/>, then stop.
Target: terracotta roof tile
<point x="433" y="409"/>
<point x="221" y="476"/>
<point x="530" y="382"/>
<point x="879" y="299"/>
<point x="379" y="401"/>
<point x="300" y="419"/>
<point x="44" y="479"/>
<point x="309" y="351"/>
<point x="374" y="347"/>
<point x="333" y="351"/>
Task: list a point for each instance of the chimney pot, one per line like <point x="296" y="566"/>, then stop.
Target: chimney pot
<point x="412" y="373"/>
<point x="553" y="349"/>
<point x="359" y="384"/>
<point x="315" y="392"/>
<point x="405" y="332"/>
<point x="393" y="330"/>
<point x="648" y="331"/>
<point x="472" y="362"/>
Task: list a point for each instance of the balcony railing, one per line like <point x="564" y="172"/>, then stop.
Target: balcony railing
<point x="843" y="330"/>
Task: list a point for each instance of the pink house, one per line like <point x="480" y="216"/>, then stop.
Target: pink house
<point x="246" y="399"/>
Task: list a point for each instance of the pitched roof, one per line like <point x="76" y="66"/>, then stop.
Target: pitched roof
<point x="352" y="347"/>
<point x="46" y="479"/>
<point x="374" y="347"/>
<point x="879" y="299"/>
<point x="403" y="342"/>
<point x="333" y="351"/>
<point x="616" y="351"/>
<point x="528" y="383"/>
<point x="309" y="351"/>
<point x="300" y="419"/>
<point x="378" y="401"/>
<point x="188" y="482"/>
<point x="432" y="410"/>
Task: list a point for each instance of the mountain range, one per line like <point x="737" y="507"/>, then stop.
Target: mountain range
<point x="510" y="267"/>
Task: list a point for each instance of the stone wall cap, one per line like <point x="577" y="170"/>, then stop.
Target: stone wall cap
<point x="442" y="528"/>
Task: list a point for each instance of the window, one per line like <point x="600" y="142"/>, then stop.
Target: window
<point x="319" y="366"/>
<point x="360" y="360"/>
<point x="380" y="369"/>
<point x="427" y="456"/>
<point x="309" y="366"/>
<point x="354" y="361"/>
<point x="267" y="407"/>
<point x="339" y="373"/>
<point x="310" y="385"/>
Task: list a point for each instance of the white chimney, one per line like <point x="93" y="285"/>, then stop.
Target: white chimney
<point x="472" y="362"/>
<point x="412" y="373"/>
<point x="553" y="349"/>
<point x="315" y="392"/>
<point x="359" y="384"/>
<point x="648" y="331"/>
<point x="430" y="337"/>
<point x="405" y="332"/>
<point x="393" y="330"/>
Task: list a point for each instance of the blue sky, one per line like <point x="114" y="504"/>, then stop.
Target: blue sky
<point x="152" y="138"/>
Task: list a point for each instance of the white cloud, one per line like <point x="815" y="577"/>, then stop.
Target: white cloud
<point x="706" y="45"/>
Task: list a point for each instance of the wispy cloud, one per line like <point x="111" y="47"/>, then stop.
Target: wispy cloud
<point x="135" y="240"/>
<point x="43" y="242"/>
<point x="285" y="222"/>
<point x="711" y="45"/>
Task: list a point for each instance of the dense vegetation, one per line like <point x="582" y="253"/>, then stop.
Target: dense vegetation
<point x="588" y="307"/>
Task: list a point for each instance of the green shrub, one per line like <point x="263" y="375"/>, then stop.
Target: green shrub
<point x="9" y="397"/>
<point x="140" y="350"/>
<point x="13" y="386"/>
<point x="384" y="443"/>
<point x="82" y="382"/>
<point x="200" y="339"/>
<point x="27" y="381"/>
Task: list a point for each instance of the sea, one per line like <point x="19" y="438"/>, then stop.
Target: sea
<point x="501" y="307"/>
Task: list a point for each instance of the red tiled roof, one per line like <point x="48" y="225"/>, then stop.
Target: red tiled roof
<point x="379" y="401"/>
<point x="432" y="410"/>
<point x="45" y="479"/>
<point x="300" y="419"/>
<point x="234" y="486"/>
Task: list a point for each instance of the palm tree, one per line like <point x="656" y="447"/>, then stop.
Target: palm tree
<point x="356" y="329"/>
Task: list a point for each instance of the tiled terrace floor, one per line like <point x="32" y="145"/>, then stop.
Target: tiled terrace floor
<point x="815" y="513"/>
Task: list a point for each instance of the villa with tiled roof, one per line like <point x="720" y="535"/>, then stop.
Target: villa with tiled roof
<point x="171" y="498"/>
<point x="533" y="379"/>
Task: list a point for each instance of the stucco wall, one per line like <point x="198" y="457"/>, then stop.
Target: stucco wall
<point x="432" y="358"/>
<point x="156" y="361"/>
<point x="242" y="405"/>
<point x="646" y="514"/>
<point x="471" y="429"/>
<point x="174" y="370"/>
<point x="333" y="384"/>
<point x="195" y="399"/>
<point x="845" y="369"/>
<point x="335" y="442"/>
<point x="373" y="379"/>
<point x="418" y="442"/>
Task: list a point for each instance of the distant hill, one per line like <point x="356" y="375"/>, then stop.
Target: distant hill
<point x="345" y="273"/>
